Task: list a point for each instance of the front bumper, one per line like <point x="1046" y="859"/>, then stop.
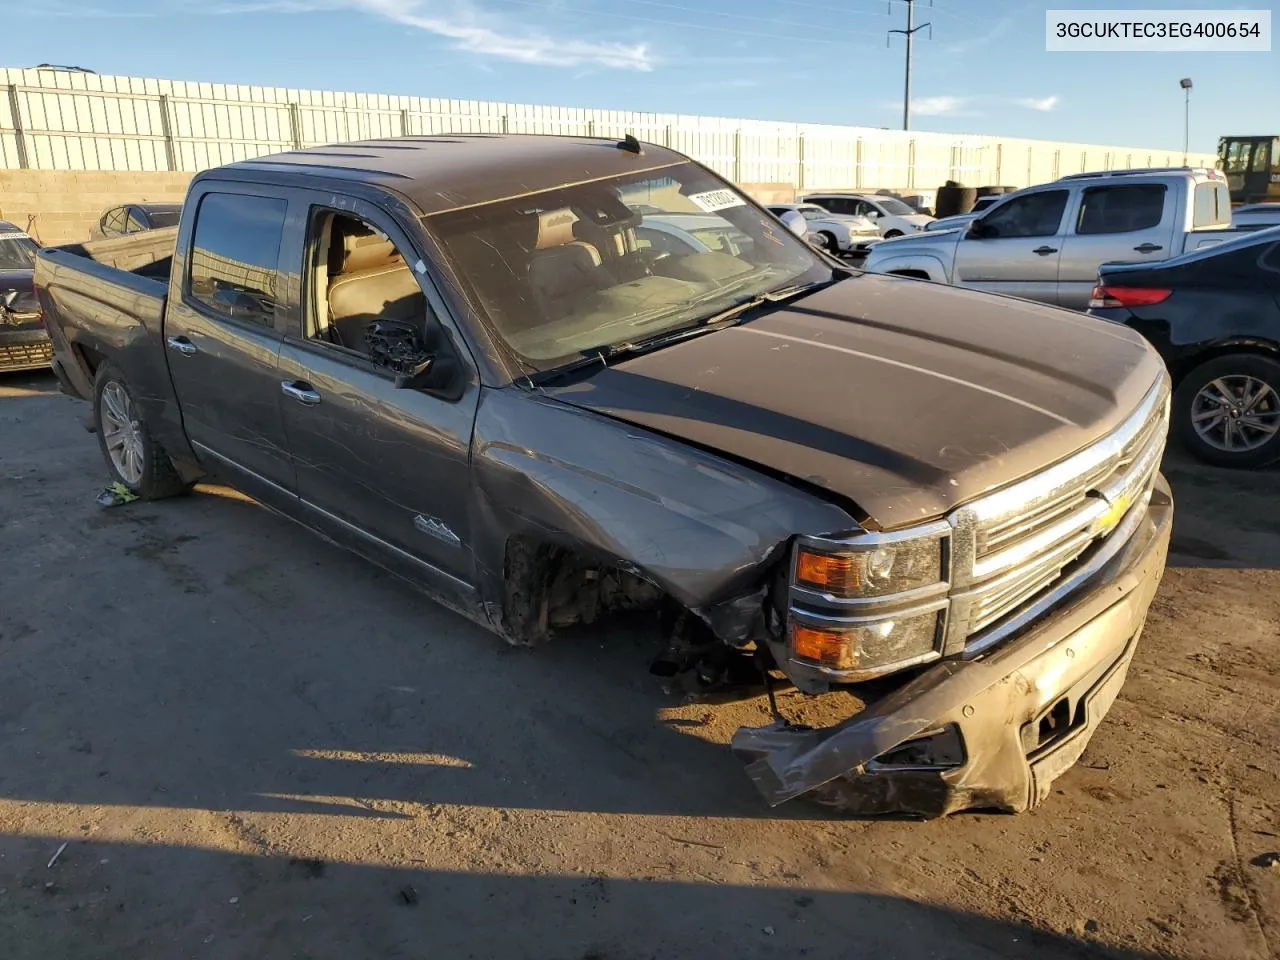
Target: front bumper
<point x="25" y="348"/>
<point x="1023" y="712"/>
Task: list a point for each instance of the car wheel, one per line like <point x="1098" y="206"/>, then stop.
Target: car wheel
<point x="828" y="241"/>
<point x="1227" y="411"/>
<point x="893" y="233"/>
<point x="133" y="456"/>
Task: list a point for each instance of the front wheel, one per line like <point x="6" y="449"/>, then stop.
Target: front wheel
<point x="1227" y="411"/>
<point x="827" y="241"/>
<point x="133" y="457"/>
<point x="893" y="233"/>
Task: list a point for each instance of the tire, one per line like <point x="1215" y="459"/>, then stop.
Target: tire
<point x="954" y="200"/>
<point x="893" y="233"/>
<point x="133" y="457"/>
<point x="828" y="241"/>
<point x="1196" y="400"/>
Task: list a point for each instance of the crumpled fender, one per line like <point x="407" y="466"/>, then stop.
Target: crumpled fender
<point x="703" y="528"/>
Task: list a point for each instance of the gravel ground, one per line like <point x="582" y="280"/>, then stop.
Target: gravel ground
<point x="248" y="744"/>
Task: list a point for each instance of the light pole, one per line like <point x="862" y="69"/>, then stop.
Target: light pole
<point x="1186" y="119"/>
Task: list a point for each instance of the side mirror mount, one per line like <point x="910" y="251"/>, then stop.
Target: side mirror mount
<point x="795" y="222"/>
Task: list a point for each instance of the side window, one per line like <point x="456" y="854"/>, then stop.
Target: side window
<point x="833" y="204"/>
<point x="365" y="297"/>
<point x="1123" y="208"/>
<point x="137" y="221"/>
<point x="1035" y="215"/>
<point x="235" y="255"/>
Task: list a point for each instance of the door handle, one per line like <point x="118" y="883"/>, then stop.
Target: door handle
<point x="1045" y="251"/>
<point x="1148" y="248"/>
<point x="182" y="345"/>
<point x="300" y="391"/>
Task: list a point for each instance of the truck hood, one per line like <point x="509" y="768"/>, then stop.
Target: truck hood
<point x="905" y="398"/>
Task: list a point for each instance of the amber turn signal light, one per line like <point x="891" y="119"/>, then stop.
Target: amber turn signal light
<point x="834" y="650"/>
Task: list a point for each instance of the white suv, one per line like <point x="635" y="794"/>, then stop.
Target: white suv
<point x="892" y="217"/>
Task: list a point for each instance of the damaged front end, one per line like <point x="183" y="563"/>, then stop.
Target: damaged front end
<point x="992" y="727"/>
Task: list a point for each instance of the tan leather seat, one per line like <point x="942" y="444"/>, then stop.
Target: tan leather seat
<point x="374" y="283"/>
<point x="564" y="271"/>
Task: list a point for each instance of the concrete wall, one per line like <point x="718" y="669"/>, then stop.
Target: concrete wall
<point x="65" y="204"/>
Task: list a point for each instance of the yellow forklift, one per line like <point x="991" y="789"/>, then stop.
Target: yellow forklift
<point x="1252" y="166"/>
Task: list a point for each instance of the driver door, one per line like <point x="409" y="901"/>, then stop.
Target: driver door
<point x="384" y="469"/>
<point x="1018" y="249"/>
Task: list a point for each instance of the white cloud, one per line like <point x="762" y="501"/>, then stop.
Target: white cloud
<point x="937" y="106"/>
<point x="1043" y="104"/>
<point x="471" y="29"/>
<point x="534" y="47"/>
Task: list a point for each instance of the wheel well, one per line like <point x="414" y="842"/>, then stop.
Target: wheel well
<point x="914" y="274"/>
<point x="90" y="359"/>
<point x="1187" y="364"/>
<point x="550" y="586"/>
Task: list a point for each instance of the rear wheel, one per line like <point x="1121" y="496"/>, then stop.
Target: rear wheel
<point x="133" y="457"/>
<point x="1227" y="411"/>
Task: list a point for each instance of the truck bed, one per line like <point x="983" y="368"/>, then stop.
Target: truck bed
<point x="105" y="300"/>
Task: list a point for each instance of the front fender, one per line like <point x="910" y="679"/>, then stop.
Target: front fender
<point x="703" y="528"/>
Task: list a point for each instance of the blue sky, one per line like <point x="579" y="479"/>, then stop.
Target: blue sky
<point x="985" y="69"/>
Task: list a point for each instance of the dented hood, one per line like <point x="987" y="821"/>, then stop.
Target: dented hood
<point x="905" y="397"/>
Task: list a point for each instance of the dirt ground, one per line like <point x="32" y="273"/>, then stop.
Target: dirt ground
<point x="248" y="744"/>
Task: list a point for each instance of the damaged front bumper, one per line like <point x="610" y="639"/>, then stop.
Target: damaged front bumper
<point x="991" y="732"/>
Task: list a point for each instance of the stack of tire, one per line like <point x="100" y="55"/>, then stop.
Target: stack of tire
<point x="954" y="199"/>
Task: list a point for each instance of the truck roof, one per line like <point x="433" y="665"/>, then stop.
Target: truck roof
<point x="449" y="171"/>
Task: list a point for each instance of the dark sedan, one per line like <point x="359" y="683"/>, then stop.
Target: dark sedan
<point x="134" y="218"/>
<point x="1214" y="315"/>
<point x="24" y="344"/>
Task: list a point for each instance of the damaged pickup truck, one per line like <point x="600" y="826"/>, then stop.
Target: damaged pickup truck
<point x="473" y="360"/>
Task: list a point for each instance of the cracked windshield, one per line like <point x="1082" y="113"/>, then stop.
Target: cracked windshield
<point x="612" y="262"/>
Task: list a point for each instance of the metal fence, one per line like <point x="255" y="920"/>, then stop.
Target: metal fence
<point x="60" y="120"/>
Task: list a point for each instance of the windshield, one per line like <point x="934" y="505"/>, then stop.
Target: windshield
<point x="17" y="252"/>
<point x="1238" y="156"/>
<point x="614" y="261"/>
<point x="895" y="208"/>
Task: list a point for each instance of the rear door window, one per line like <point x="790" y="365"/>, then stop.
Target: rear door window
<point x="137" y="221"/>
<point x="1121" y="208"/>
<point x="235" y="256"/>
<point x="1212" y="205"/>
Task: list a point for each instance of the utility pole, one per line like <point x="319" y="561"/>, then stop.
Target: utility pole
<point x="909" y="33"/>
<point x="1186" y="119"/>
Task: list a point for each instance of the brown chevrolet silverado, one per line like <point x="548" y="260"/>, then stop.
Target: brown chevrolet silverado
<point x="552" y="378"/>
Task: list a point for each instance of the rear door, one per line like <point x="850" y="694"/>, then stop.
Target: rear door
<point x="388" y="465"/>
<point x="1116" y="222"/>
<point x="1019" y="249"/>
<point x="221" y="332"/>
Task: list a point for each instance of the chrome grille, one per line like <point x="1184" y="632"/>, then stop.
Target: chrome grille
<point x="1012" y="546"/>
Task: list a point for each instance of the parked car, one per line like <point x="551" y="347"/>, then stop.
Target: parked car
<point x="892" y="217"/>
<point x="960" y="219"/>
<point x="1046" y="242"/>
<point x="134" y="218"/>
<point x="1214" y="315"/>
<point x="1256" y="216"/>
<point x="452" y="358"/>
<point x="24" y="345"/>
<point x="836" y="233"/>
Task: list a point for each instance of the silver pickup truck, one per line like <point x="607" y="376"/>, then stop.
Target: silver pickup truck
<point x="937" y="513"/>
<point x="1047" y="242"/>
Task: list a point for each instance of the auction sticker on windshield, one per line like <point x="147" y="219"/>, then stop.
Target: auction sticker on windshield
<point x="714" y="200"/>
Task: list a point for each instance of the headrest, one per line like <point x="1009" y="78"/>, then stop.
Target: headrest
<point x="366" y="252"/>
<point x="555" y="228"/>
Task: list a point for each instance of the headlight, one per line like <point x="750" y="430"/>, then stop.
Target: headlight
<point x="870" y="649"/>
<point x="870" y="604"/>
<point x="874" y="570"/>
